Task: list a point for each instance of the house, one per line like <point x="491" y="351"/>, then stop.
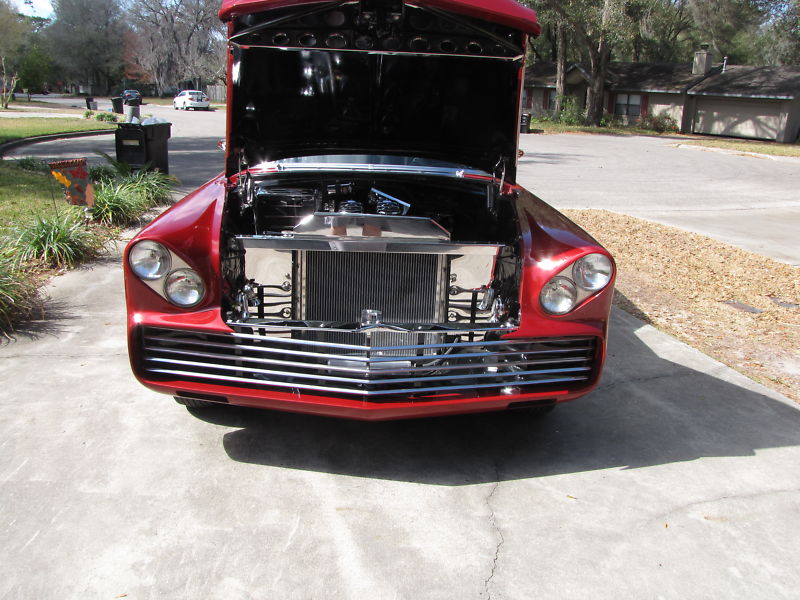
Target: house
<point x="730" y="100"/>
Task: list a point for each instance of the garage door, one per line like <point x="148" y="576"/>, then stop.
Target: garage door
<point x="738" y="118"/>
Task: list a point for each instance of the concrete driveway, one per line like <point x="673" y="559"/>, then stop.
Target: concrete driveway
<point x="677" y="478"/>
<point x="750" y="202"/>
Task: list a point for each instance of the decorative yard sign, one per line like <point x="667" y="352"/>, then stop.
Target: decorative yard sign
<point x="73" y="175"/>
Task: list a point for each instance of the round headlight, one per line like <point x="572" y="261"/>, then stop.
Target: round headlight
<point x="558" y="296"/>
<point x="184" y="287"/>
<point x="149" y="260"/>
<point x="593" y="272"/>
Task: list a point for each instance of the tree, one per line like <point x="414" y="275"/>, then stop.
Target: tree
<point x="178" y="40"/>
<point x="34" y="68"/>
<point x="596" y="26"/>
<point x="87" y="36"/>
<point x="12" y="31"/>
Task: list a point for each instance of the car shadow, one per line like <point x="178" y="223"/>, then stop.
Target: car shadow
<point x="648" y="410"/>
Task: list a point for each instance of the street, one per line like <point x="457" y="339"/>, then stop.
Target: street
<point x="677" y="478"/>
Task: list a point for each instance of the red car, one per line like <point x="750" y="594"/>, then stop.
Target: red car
<point x="367" y="252"/>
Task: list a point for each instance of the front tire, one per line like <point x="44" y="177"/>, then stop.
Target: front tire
<point x="193" y="403"/>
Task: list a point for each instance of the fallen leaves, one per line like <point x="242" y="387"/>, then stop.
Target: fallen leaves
<point x="702" y="291"/>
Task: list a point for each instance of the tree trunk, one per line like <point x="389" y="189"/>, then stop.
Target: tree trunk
<point x="561" y="65"/>
<point x="598" y="59"/>
<point x="597" y="85"/>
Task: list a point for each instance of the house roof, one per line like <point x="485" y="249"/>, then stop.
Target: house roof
<point x="652" y="77"/>
<point x="736" y="80"/>
<point x="752" y="82"/>
<point x="624" y="76"/>
<point x="505" y="12"/>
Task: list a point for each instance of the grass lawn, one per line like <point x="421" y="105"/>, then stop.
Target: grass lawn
<point x="551" y="127"/>
<point x="13" y="129"/>
<point x="761" y="147"/>
<point x="771" y="148"/>
<point x="24" y="194"/>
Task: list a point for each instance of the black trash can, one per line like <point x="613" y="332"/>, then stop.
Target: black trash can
<point x="116" y="105"/>
<point x="134" y="101"/>
<point x="143" y="146"/>
<point x="89" y="101"/>
<point x="525" y="123"/>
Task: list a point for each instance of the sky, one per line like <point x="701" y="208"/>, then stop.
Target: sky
<point x="40" y="8"/>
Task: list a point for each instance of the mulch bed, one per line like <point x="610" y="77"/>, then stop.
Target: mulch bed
<point x="741" y="308"/>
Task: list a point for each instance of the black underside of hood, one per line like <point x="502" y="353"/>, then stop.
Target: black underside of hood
<point x="296" y="102"/>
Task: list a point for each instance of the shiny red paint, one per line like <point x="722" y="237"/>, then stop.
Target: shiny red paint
<point x="505" y="12"/>
<point x="192" y="228"/>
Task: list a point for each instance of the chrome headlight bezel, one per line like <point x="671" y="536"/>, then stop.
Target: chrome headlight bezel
<point x="579" y="276"/>
<point x="164" y="283"/>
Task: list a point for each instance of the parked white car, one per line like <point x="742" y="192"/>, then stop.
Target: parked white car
<point x="191" y="99"/>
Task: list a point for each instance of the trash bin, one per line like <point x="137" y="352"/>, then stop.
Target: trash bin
<point x="143" y="146"/>
<point x="525" y="123"/>
<point x="89" y="101"/>
<point x="116" y="105"/>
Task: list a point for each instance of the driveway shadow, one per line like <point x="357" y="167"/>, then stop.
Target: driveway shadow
<point x="647" y="411"/>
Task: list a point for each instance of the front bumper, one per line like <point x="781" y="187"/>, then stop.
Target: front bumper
<point x="434" y="377"/>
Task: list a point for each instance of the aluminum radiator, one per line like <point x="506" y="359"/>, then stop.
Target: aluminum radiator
<point x="337" y="286"/>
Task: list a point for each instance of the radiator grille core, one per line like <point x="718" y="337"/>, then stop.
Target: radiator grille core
<point x="406" y="288"/>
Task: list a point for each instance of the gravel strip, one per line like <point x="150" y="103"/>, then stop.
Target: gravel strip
<point x="741" y="308"/>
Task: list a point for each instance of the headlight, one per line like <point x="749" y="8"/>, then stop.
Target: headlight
<point x="558" y="296"/>
<point x="149" y="260"/>
<point x="593" y="272"/>
<point x="185" y="288"/>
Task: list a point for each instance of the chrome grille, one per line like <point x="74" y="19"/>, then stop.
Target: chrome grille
<point x="371" y="372"/>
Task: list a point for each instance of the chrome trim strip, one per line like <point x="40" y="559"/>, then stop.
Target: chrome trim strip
<point x="364" y="359"/>
<point x="365" y="393"/>
<point x="445" y="328"/>
<point x="363" y="244"/>
<point x="382" y="381"/>
<point x="286" y="166"/>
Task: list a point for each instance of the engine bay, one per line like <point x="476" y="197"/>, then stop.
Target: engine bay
<point x="402" y="249"/>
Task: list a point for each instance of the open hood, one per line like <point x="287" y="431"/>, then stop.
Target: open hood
<point x="377" y="77"/>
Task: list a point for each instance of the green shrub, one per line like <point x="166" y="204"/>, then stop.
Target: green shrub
<point x="110" y="117"/>
<point x="29" y="163"/>
<point x="118" y="203"/>
<point x="19" y="295"/>
<point x="153" y="186"/>
<point x="571" y="112"/>
<point x="661" y="123"/>
<point x="59" y="240"/>
<point x="102" y="174"/>
<point x="88" y="114"/>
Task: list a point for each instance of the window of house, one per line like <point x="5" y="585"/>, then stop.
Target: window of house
<point x="549" y="99"/>
<point x="628" y="104"/>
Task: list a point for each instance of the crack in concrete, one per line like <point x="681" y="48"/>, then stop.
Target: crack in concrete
<point x="493" y="521"/>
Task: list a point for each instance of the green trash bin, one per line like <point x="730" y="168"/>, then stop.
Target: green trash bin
<point x="116" y="104"/>
<point x="143" y="146"/>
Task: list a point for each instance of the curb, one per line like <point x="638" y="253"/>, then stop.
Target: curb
<point x="50" y="137"/>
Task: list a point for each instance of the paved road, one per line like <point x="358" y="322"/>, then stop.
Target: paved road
<point x="676" y="479"/>
<point x="750" y="202"/>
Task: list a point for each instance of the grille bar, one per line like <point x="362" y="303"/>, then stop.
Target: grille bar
<point x="359" y="392"/>
<point x="260" y="362"/>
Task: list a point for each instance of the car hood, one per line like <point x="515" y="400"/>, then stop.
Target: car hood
<point x="429" y="83"/>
